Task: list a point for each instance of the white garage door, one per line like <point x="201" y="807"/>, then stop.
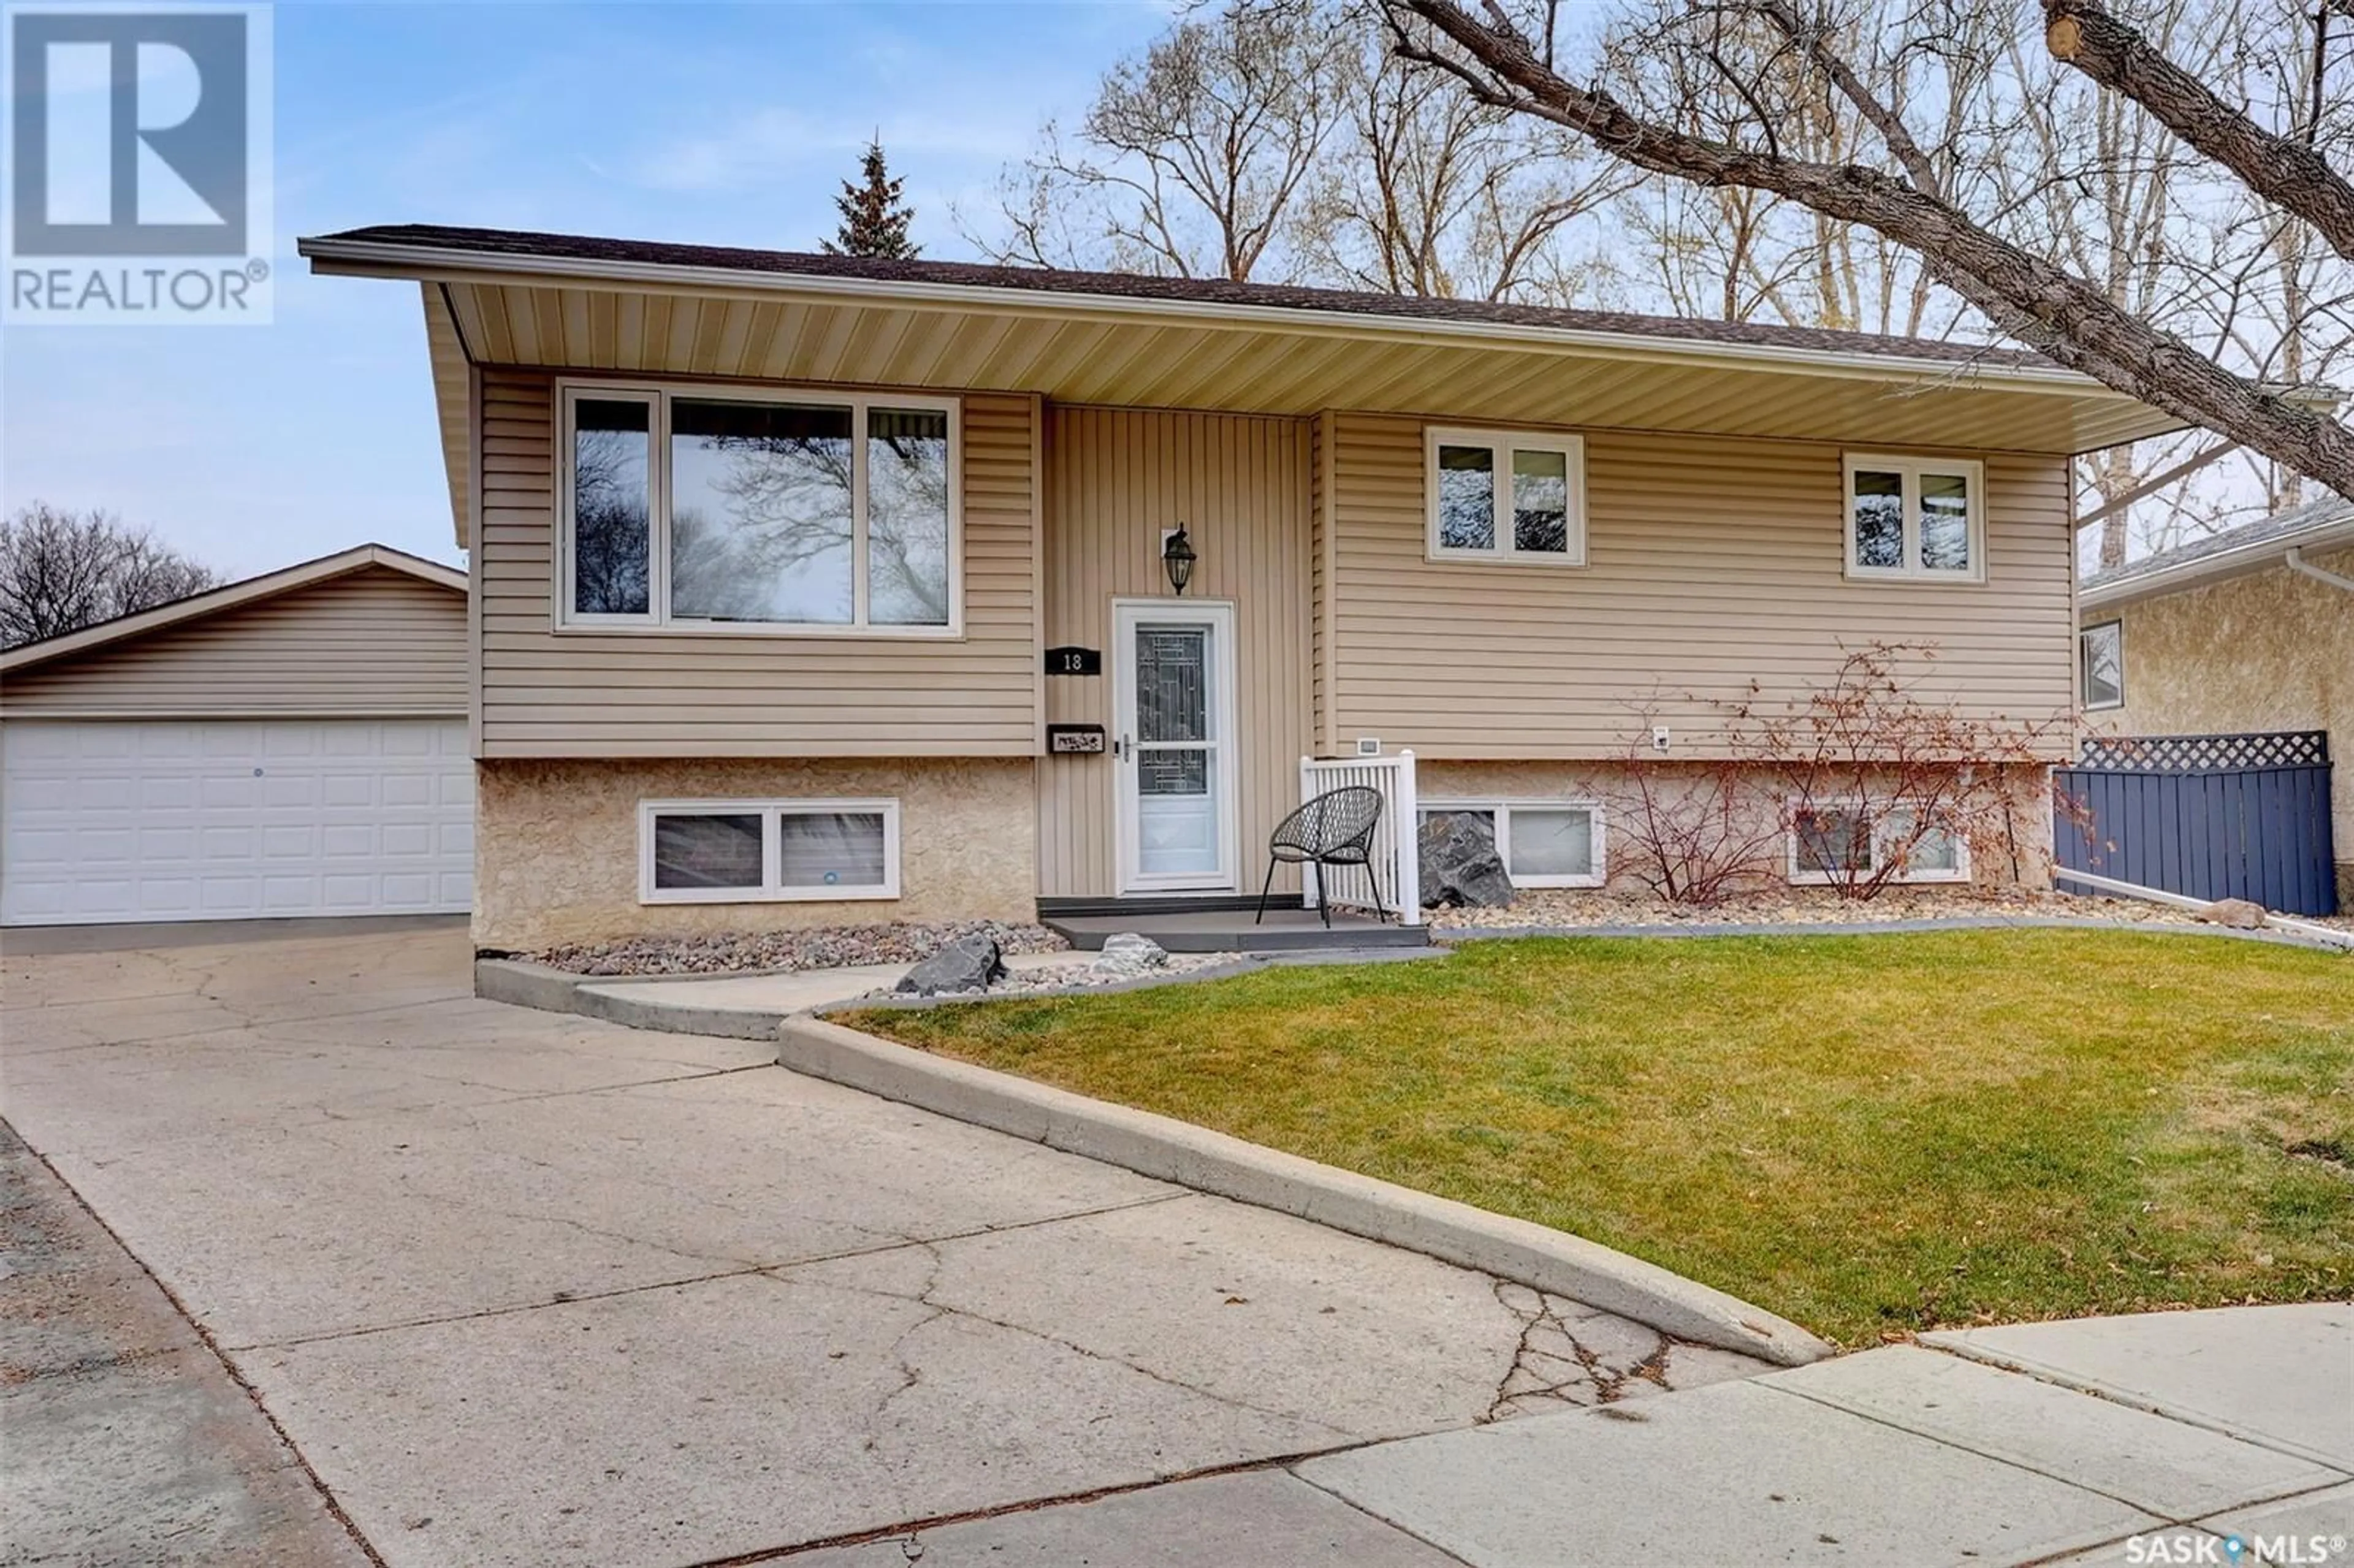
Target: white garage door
<point x="228" y="820"/>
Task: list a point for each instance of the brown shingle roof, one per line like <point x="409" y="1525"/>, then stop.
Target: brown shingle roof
<point x="560" y="247"/>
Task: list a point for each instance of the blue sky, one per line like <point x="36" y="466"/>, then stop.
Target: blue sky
<point x="253" y="448"/>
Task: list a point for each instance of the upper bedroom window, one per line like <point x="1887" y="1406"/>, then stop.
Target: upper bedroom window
<point x="1918" y="518"/>
<point x="1504" y="496"/>
<point x="785" y="514"/>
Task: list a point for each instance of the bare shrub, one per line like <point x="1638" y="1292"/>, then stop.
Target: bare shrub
<point x="1875" y="780"/>
<point x="1692" y="834"/>
<point x="1870" y="778"/>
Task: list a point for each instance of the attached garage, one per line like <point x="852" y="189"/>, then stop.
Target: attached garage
<point x="292" y="745"/>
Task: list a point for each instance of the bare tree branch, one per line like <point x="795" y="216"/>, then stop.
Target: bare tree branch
<point x="2043" y="305"/>
<point x="2282" y="170"/>
<point x="1815" y="41"/>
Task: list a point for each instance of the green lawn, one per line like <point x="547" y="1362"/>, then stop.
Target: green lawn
<point x="1866" y="1134"/>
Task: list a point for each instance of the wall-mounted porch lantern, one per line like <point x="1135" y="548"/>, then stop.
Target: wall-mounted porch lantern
<point x="1177" y="559"/>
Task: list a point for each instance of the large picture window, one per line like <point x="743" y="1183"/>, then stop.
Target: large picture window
<point x="722" y="510"/>
<point x="736" y="852"/>
<point x="1922" y="519"/>
<point x="1502" y="495"/>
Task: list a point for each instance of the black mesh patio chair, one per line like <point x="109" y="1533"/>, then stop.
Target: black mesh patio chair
<point x="1336" y="828"/>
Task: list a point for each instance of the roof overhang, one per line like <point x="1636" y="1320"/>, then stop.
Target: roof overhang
<point x="591" y="314"/>
<point x="215" y="601"/>
<point x="2222" y="566"/>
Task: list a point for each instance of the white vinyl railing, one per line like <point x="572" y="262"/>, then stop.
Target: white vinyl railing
<point x="1397" y="860"/>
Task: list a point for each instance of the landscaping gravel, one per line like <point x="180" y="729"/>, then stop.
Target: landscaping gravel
<point x="1804" y="906"/>
<point x="1083" y="970"/>
<point x="1086" y="969"/>
<point x="818" y="947"/>
<point x="833" y="947"/>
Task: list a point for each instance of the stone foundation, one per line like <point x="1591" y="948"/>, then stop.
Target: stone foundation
<point x="2023" y="860"/>
<point x="555" y="845"/>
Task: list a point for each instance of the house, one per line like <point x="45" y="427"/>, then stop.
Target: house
<point x="796" y="580"/>
<point x="293" y="745"/>
<point x="2247" y="631"/>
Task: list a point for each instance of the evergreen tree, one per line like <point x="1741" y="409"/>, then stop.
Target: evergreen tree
<point x="874" y="220"/>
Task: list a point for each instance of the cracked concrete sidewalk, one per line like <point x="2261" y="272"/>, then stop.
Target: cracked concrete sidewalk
<point x="2095" y="1444"/>
<point x="523" y="1287"/>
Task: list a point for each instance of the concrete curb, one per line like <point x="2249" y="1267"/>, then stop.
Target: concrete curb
<point x="522" y="984"/>
<point x="1171" y="1150"/>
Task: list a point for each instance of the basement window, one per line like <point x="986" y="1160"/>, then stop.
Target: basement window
<point x="1542" y="844"/>
<point x="1844" y="843"/>
<point x="738" y="851"/>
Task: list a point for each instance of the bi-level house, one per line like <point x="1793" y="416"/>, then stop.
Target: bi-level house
<point x="809" y="589"/>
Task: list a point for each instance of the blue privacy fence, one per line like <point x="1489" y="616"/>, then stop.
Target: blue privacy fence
<point x="2210" y="816"/>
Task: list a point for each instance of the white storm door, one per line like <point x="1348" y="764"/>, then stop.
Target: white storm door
<point x="1174" y="709"/>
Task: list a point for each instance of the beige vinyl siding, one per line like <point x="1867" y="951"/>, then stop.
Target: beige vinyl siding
<point x="678" y="694"/>
<point x="371" y="642"/>
<point x="1240" y="485"/>
<point x="1712" y="562"/>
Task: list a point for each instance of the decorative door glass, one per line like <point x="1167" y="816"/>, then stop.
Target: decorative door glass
<point x="1176" y="745"/>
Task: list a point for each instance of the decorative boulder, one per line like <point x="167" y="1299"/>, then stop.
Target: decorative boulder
<point x="2237" y="913"/>
<point x="969" y="963"/>
<point x="1459" y="863"/>
<point x="1127" y="954"/>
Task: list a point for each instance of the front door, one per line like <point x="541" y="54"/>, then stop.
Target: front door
<point x="1175" y="743"/>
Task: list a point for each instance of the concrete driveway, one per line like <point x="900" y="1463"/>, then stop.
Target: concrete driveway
<point x="520" y="1287"/>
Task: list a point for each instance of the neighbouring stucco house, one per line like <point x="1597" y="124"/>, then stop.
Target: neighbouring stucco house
<point x="836" y="683"/>
<point x="2249" y="630"/>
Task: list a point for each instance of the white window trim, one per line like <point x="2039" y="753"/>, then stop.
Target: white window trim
<point x="1911" y="469"/>
<point x="2084" y="665"/>
<point x="1500" y="444"/>
<point x="771" y="890"/>
<point x="658" y="397"/>
<point x="1503" y="807"/>
<point x="1798" y="877"/>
